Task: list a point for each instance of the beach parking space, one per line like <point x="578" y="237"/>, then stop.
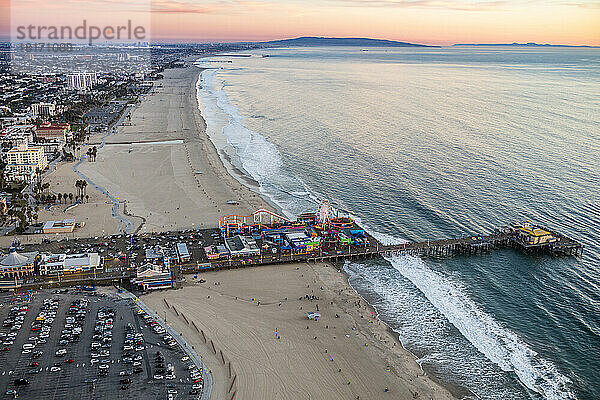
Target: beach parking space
<point x="70" y="344"/>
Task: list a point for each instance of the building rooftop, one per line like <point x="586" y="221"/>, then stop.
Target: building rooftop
<point x="14" y="259"/>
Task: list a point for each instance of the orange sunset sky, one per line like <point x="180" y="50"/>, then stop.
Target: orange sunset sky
<point x="441" y="22"/>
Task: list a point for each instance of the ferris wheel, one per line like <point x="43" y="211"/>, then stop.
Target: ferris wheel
<point x="325" y="211"/>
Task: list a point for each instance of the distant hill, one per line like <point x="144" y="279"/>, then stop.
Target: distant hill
<point x="515" y="44"/>
<point x="314" y="41"/>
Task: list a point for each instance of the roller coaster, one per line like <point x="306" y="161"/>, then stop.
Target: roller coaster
<point x="261" y="218"/>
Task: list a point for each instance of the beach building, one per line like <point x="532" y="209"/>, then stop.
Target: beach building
<point x="152" y="277"/>
<point x="293" y="238"/>
<point x="161" y="255"/>
<point x="50" y="132"/>
<point x="65" y="226"/>
<point x="242" y="246"/>
<point x="183" y="253"/>
<point x="215" y="252"/>
<point x="23" y="162"/>
<point x="530" y="235"/>
<point x="43" y="109"/>
<point x="17" y="265"/>
<point x="56" y="264"/>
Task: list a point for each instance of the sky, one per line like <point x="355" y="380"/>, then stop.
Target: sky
<point x="441" y="22"/>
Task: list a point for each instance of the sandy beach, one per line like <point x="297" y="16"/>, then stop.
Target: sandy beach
<point x="163" y="166"/>
<point x="257" y="318"/>
<point x="94" y="212"/>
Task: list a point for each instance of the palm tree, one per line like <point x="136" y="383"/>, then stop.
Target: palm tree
<point x="87" y="198"/>
<point x="71" y="197"/>
<point x="60" y="197"/>
<point x="78" y="185"/>
<point x="37" y="174"/>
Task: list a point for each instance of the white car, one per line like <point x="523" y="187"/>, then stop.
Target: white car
<point x="158" y="377"/>
<point x="55" y="369"/>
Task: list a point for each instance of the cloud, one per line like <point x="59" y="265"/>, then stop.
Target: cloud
<point x="181" y="7"/>
<point x="208" y="7"/>
<point x="478" y="5"/>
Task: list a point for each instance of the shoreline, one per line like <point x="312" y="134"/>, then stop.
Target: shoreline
<point x="454" y="389"/>
<point x="234" y="171"/>
<point x="458" y="391"/>
<point x="216" y="184"/>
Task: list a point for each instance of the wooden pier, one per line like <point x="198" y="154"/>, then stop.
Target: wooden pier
<point x="472" y="245"/>
<point x="563" y="246"/>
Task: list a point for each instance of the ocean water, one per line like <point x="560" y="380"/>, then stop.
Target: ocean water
<point x="438" y="143"/>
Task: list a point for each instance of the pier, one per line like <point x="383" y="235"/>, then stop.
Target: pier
<point x="267" y="238"/>
<point x="340" y="238"/>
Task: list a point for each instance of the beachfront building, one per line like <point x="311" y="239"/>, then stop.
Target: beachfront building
<point x="242" y="246"/>
<point x="17" y="265"/>
<point x="23" y="163"/>
<point x="65" y="226"/>
<point x="151" y="277"/>
<point x="298" y="238"/>
<point x="183" y="253"/>
<point x="53" y="132"/>
<point x="60" y="264"/>
<point x="82" y="81"/>
<point x="43" y="109"/>
<point x="215" y="252"/>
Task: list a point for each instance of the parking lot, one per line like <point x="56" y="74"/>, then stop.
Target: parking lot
<point x="70" y="344"/>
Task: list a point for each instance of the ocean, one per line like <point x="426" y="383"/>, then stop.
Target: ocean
<point x="424" y="143"/>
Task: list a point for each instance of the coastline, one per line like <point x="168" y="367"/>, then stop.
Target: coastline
<point x="391" y="337"/>
<point x="458" y="391"/>
<point x="453" y="390"/>
<point x="151" y="192"/>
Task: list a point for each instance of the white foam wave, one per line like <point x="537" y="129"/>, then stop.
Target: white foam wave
<point x="256" y="156"/>
<point x="498" y="344"/>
